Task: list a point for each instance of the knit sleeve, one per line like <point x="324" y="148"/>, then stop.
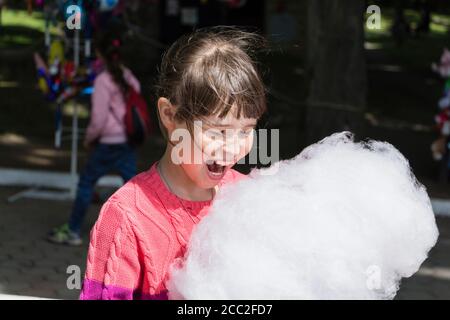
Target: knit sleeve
<point x="113" y="268"/>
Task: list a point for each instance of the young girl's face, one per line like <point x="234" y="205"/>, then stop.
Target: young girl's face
<point x="221" y="143"/>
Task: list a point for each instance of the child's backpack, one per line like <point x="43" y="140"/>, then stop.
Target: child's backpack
<point x="137" y="121"/>
<point x="137" y="118"/>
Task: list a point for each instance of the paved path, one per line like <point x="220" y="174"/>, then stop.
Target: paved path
<point x="30" y="266"/>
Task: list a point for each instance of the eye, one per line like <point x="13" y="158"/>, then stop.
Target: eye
<point x="245" y="133"/>
<point x="216" y="133"/>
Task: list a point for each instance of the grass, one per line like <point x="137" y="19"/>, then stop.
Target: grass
<point x="8" y="41"/>
<point x="440" y="23"/>
<point x="21" y="18"/>
<point x="401" y="83"/>
<point x="20" y="29"/>
<point x="415" y="52"/>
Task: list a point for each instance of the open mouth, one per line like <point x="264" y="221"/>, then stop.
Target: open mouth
<point x="215" y="170"/>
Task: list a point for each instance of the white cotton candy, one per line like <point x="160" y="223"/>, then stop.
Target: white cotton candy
<point x="342" y="220"/>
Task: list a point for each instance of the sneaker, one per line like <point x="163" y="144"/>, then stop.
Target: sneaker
<point x="63" y="235"/>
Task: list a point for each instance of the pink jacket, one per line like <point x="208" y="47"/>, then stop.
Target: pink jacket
<point x="103" y="125"/>
<point x="141" y="230"/>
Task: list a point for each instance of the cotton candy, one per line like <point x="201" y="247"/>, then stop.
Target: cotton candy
<point x="342" y="220"/>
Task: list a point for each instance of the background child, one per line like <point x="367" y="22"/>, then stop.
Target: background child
<point x="106" y="135"/>
<point x="207" y="76"/>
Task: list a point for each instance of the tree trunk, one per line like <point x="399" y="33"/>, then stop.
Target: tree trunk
<point x="336" y="66"/>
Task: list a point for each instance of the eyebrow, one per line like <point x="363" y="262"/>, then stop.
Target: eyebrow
<point x="225" y="125"/>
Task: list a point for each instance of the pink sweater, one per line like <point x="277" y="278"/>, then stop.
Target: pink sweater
<point x="103" y="125"/>
<point x="141" y="230"/>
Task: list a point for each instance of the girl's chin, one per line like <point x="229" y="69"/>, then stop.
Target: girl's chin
<point x="207" y="183"/>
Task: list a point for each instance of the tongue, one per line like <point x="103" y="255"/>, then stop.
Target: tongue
<point x="215" y="168"/>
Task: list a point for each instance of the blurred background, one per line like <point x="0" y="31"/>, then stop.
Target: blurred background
<point x="376" y="68"/>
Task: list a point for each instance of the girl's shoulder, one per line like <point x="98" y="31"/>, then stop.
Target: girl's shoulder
<point x="139" y="194"/>
<point x="128" y="73"/>
<point x="103" y="79"/>
<point x="131" y="79"/>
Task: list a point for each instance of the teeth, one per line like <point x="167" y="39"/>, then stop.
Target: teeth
<point x="215" y="168"/>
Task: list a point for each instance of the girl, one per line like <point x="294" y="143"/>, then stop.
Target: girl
<point x="106" y="135"/>
<point x="209" y="87"/>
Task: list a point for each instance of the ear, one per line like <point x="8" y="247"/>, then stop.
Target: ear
<point x="167" y="114"/>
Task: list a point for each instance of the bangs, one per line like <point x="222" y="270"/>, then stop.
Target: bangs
<point x="221" y="80"/>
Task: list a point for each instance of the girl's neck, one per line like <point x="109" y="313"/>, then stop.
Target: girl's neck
<point x="179" y="183"/>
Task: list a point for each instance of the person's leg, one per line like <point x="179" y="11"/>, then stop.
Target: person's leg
<point x="97" y="166"/>
<point x="125" y="162"/>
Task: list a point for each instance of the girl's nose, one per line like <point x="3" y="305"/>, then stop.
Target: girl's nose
<point x="231" y="149"/>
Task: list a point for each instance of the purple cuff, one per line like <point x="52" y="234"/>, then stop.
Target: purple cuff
<point x="95" y="290"/>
